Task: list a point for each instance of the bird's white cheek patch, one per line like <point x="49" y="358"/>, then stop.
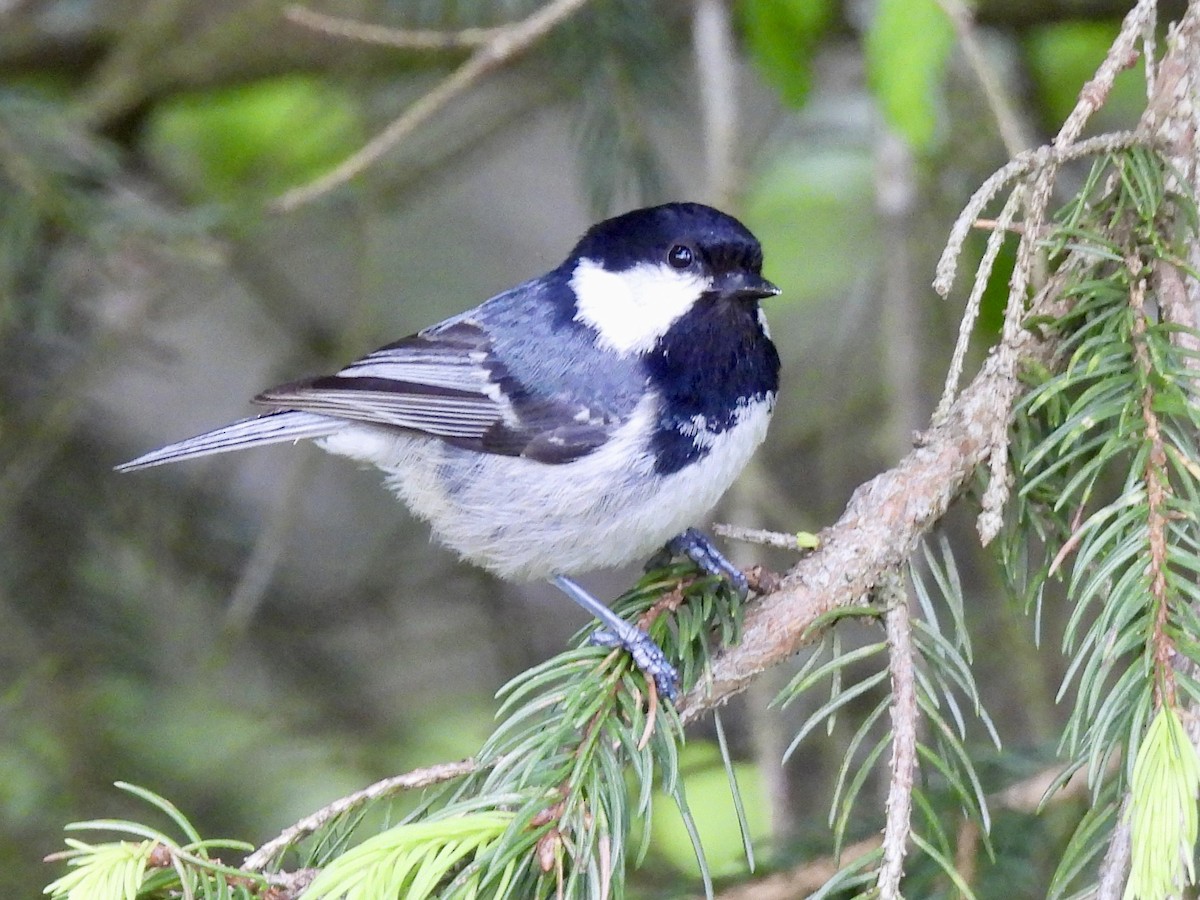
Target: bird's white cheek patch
<point x="762" y="323"/>
<point x="631" y="310"/>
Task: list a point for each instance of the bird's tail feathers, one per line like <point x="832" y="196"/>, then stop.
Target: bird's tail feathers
<point x="272" y="428"/>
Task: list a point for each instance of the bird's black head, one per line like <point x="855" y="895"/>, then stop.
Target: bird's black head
<point x="636" y="274"/>
<point x="667" y="234"/>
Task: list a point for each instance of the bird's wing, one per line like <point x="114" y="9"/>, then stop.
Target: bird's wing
<point x="434" y="383"/>
<point x="449" y="383"/>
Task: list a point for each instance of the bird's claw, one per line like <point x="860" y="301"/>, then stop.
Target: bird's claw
<point x="646" y="654"/>
<point x="696" y="546"/>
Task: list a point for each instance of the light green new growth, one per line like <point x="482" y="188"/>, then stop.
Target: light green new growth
<point x="1162" y="812"/>
<point x="157" y="866"/>
<point x="411" y="860"/>
<point x="103" y="871"/>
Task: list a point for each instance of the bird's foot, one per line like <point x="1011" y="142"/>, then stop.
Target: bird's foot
<point x="646" y="654"/>
<point x="696" y="546"/>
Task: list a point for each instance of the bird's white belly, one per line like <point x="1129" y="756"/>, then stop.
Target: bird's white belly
<point x="523" y="519"/>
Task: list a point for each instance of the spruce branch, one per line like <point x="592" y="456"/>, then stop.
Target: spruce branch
<point x="886" y="517"/>
<point x="1109" y="478"/>
<point x="1158" y="491"/>
<point x="156" y="862"/>
<point x="544" y="809"/>
<point x="830" y="580"/>
<point x="1121" y="55"/>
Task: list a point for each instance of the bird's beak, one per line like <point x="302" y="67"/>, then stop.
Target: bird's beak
<point x="745" y="286"/>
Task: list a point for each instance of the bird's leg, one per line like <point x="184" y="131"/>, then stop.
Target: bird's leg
<point x="647" y="655"/>
<point x="696" y="546"/>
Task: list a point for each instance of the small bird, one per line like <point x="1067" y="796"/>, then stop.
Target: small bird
<point x="577" y="421"/>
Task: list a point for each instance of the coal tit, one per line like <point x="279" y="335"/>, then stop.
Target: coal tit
<point x="577" y="421"/>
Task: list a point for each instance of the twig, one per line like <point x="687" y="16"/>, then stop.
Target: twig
<point x="759" y="536"/>
<point x="1029" y="161"/>
<point x="417" y="778"/>
<point x="1121" y="55"/>
<point x="1158" y="493"/>
<point x="975" y="301"/>
<point x="995" y="496"/>
<point x="1115" y="865"/>
<point x="903" y="713"/>
<point x="401" y="38"/>
<point x="508" y="44"/>
<point x="993" y="224"/>
<point x="286" y="885"/>
<point x="1149" y="47"/>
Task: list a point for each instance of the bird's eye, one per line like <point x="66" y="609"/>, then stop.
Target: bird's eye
<point x="680" y="256"/>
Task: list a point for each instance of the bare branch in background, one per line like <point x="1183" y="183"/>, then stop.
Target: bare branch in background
<point x="504" y="47"/>
<point x="1012" y="132"/>
<point x="401" y="38"/>
<point x="804" y="879"/>
<point x="716" y="73"/>
<point x="1115" y="865"/>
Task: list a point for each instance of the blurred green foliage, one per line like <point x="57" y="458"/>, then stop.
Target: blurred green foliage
<point x="906" y="50"/>
<point x="818" y="201"/>
<point x="781" y="38"/>
<point x="244" y="144"/>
